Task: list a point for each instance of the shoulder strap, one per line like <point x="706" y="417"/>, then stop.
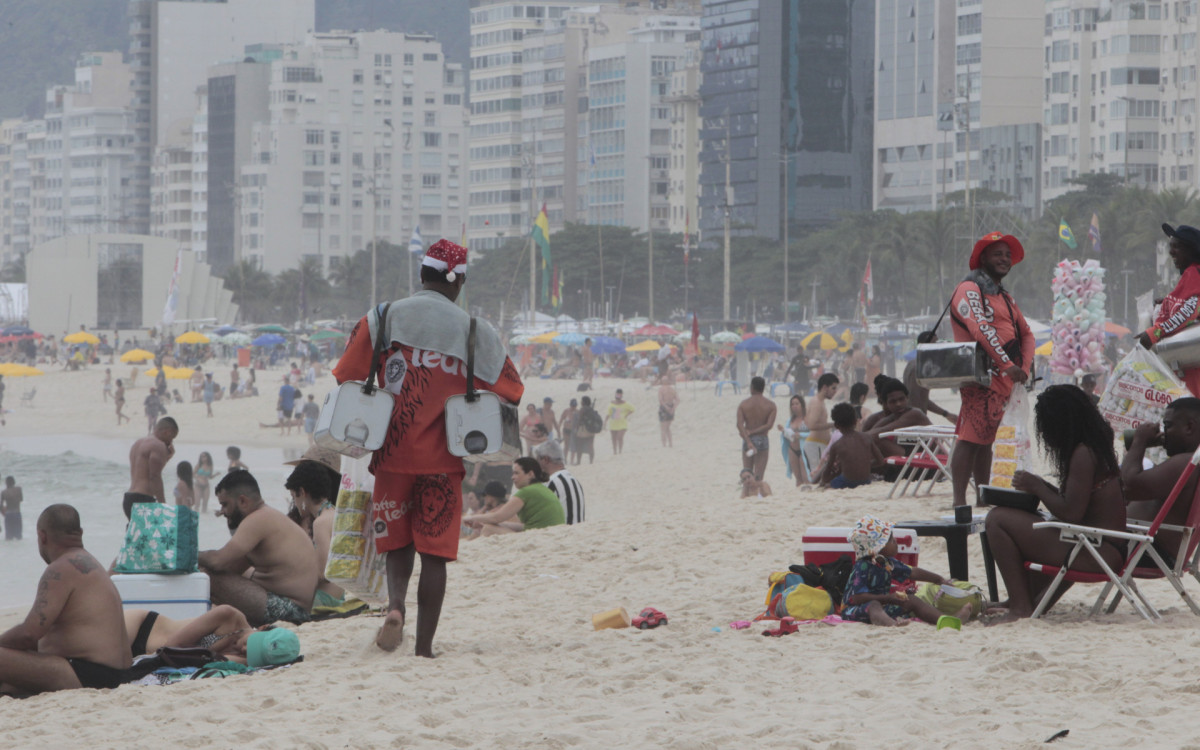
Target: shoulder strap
<point x="380" y="337"/>
<point x="945" y="310"/>
<point x="471" y="395"/>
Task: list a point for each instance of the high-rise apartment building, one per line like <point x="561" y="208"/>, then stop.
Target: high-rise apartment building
<point x="1120" y="93"/>
<point x="684" y="172"/>
<point x="786" y="96"/>
<point x="171" y="45"/>
<point x="365" y="139"/>
<point x="629" y="122"/>
<point x="950" y="73"/>
<point x="71" y="172"/>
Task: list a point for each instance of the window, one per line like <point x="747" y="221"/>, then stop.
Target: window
<point x="429" y="57"/>
<point x="431" y="180"/>
<point x="314" y="158"/>
<point x="970" y="24"/>
<point x="432" y="140"/>
<point x="968" y="54"/>
<point x="431" y="119"/>
<point x="358" y="76"/>
<point x="314" y="137"/>
<point x="408" y="58"/>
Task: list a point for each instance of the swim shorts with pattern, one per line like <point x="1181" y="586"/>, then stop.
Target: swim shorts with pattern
<point x="420" y="509"/>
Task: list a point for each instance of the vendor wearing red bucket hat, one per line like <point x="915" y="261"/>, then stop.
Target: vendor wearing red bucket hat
<point x="981" y="310"/>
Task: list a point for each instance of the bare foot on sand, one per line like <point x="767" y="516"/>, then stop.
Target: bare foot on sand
<point x="391" y="633"/>
<point x="964" y="614"/>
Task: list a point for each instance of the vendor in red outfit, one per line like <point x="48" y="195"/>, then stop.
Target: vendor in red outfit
<point x="417" y="503"/>
<point x="1179" y="309"/>
<point x="982" y="311"/>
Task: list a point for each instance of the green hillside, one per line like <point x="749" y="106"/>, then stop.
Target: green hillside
<point x="40" y="39"/>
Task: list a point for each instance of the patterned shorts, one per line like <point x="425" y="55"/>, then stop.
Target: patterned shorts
<point x="980" y="415"/>
<point x="420" y="509"/>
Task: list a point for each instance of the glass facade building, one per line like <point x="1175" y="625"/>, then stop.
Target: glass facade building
<point x="787" y="92"/>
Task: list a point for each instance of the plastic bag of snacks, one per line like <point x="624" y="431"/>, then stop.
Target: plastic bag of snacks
<point x="1012" y="450"/>
<point x="1139" y="390"/>
<point x="353" y="562"/>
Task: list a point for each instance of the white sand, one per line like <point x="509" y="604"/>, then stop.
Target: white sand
<point x="520" y="666"/>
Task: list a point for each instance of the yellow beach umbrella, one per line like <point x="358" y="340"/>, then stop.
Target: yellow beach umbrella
<point x="1045" y="349"/>
<point x="172" y="373"/>
<point x="644" y="346"/>
<point x="137" y="356"/>
<point x="191" y="337"/>
<point x="81" y="337"/>
<point x="544" y="338"/>
<point x="15" y="370"/>
<point x="820" y="339"/>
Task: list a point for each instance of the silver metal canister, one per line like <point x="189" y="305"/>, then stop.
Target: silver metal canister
<point x="1182" y="350"/>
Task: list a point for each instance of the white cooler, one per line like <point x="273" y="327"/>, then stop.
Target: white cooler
<point x="176" y="596"/>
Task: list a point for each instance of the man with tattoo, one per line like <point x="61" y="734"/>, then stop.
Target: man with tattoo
<point x="75" y="634"/>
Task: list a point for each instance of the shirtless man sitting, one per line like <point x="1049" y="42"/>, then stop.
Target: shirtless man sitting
<point x="1145" y="490"/>
<point x="897" y="413"/>
<point x="268" y="570"/>
<point x="755" y="417"/>
<point x="147" y="458"/>
<point x="849" y="461"/>
<point x="74" y="635"/>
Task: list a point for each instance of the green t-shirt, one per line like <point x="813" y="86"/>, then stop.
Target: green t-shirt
<point x="541" y="508"/>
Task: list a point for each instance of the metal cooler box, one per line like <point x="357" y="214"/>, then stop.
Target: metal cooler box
<point x="952" y="364"/>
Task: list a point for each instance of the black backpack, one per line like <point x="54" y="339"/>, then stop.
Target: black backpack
<point x="591" y="421"/>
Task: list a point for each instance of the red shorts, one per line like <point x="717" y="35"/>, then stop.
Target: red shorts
<point x="420" y="509"/>
<point x="980" y="415"/>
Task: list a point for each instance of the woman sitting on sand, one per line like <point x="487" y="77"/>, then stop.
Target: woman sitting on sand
<point x="533" y="504"/>
<point x="1079" y="444"/>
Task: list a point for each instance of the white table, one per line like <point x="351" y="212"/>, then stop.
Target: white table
<point x="925" y="440"/>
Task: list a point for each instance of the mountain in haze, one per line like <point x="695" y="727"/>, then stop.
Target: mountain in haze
<point x="41" y="39"/>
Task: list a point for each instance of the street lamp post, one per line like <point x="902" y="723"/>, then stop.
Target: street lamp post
<point x="785" y="160"/>
<point x="375" y="218"/>
<point x="728" y="207"/>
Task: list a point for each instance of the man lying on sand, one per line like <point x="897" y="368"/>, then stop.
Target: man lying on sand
<point x="277" y="553"/>
<point x="74" y="636"/>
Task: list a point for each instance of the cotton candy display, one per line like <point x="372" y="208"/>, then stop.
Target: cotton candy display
<point x="1077" y="322"/>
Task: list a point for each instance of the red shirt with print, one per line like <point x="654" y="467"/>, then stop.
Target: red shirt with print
<point x="421" y="381"/>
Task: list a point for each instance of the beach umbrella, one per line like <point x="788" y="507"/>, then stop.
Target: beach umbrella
<point x="847" y="341"/>
<point x="271" y="328"/>
<point x="655" y="330"/>
<point x="225" y="330"/>
<point x="269" y="339"/>
<point x="191" y="337"/>
<point x="325" y="335"/>
<point x="685" y="338"/>
<point x="544" y="338"/>
<point x="15" y="370"/>
<point x="726" y="337"/>
<point x="759" y="344"/>
<point x="1045" y="349"/>
<point x="519" y="341"/>
<point x="19" y="331"/>
<point x="644" y="346"/>
<point x="171" y="373"/>
<point x="570" y="339"/>
<point x="81" y="337"/>
<point x="819" y="340"/>
<point x="1112" y="329"/>
<point x="137" y="356"/>
<point x="607" y="345"/>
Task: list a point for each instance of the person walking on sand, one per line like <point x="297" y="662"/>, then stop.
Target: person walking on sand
<point x="668" y="402"/>
<point x="10" y="505"/>
<point x="983" y="311"/>
<point x="755" y="417"/>
<point x="119" y="401"/>
<point x="417" y="501"/>
<point x="147" y="458"/>
<point x="617" y="420"/>
<point x="208" y="389"/>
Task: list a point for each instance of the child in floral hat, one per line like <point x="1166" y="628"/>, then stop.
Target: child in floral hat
<point x="869" y="596"/>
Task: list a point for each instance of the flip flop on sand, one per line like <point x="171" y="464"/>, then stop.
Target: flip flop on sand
<point x="391" y="633"/>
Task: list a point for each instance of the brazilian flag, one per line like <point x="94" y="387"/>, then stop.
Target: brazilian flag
<point x="1064" y="234"/>
<point x="541" y="237"/>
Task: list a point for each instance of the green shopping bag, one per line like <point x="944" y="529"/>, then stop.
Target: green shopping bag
<point x="160" y="539"/>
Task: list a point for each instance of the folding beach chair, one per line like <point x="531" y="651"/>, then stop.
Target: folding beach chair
<point x="1089" y="538"/>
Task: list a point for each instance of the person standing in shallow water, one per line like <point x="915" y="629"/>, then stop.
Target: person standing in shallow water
<point x="10" y="505"/>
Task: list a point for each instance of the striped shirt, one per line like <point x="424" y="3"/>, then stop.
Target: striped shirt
<point x="569" y="493"/>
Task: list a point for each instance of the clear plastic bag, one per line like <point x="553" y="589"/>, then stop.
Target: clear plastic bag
<point x="353" y="562"/>
<point x="1012" y="450"/>
<point x="1139" y="390"/>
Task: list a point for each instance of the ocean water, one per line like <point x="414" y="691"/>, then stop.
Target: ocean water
<point x="92" y="474"/>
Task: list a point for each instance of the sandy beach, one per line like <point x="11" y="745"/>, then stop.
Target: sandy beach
<point x="520" y="666"/>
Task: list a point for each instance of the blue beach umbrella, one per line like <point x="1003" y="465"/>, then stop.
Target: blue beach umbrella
<point x="759" y="344"/>
<point x="607" y="345"/>
<point x="570" y="339"/>
<point x="268" y="339"/>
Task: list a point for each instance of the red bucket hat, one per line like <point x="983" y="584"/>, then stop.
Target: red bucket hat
<point x="1018" y="252"/>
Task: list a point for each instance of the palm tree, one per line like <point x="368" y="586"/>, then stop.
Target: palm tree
<point x="251" y="288"/>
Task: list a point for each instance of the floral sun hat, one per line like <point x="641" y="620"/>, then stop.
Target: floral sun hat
<point x="869" y="536"/>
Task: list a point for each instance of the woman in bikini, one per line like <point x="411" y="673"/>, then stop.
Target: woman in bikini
<point x="223" y="629"/>
<point x="794" y="433"/>
<point x="1079" y="444"/>
<point x="119" y="400"/>
<point x="204" y="474"/>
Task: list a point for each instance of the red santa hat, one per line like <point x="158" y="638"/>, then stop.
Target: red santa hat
<point x="446" y="256"/>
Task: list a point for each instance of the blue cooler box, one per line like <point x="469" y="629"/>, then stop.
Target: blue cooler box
<point x="176" y="596"/>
